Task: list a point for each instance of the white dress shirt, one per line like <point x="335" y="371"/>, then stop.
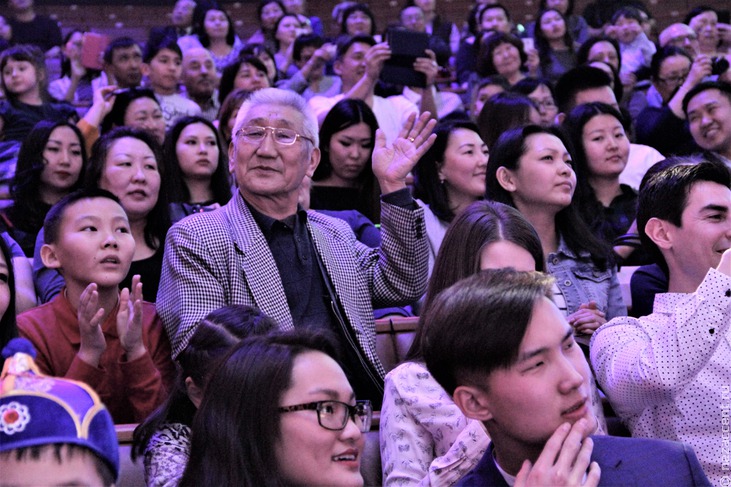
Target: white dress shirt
<point x="668" y="375"/>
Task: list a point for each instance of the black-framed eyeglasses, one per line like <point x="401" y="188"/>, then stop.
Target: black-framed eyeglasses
<point x="334" y="415"/>
<point x="282" y="136"/>
<point x="674" y="80"/>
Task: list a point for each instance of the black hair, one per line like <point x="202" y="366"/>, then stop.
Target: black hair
<point x="526" y="86"/>
<point x="66" y="62"/>
<point x="122" y="101"/>
<point x="60" y="452"/>
<point x="628" y="12"/>
<point x="358" y="7"/>
<point x="260" y="9"/>
<point x="305" y="40"/>
<point x="177" y="189"/>
<point x="31" y="54"/>
<point x="228" y="76"/>
<point x="503" y="111"/>
<point x="238" y="423"/>
<point x="507" y="153"/>
<point x="158" y="220"/>
<point x="664" y="193"/>
<point x="8" y="326"/>
<point x="582" y="55"/>
<point x="28" y="210"/>
<point x="491" y="6"/>
<point x="54" y="218"/>
<point x="427" y="185"/>
<point x="199" y="28"/>
<point x="661" y="55"/>
<point x="577" y="80"/>
<point x="118" y="43"/>
<point x="485" y="64"/>
<point x="543" y="46"/>
<point x="696" y="11"/>
<point x="214" y="336"/>
<point x="152" y="49"/>
<point x="346" y="42"/>
<point x="476" y="326"/>
<point x="481" y="224"/>
<point x="723" y="87"/>
<point x="229" y="109"/>
<point x="589" y="207"/>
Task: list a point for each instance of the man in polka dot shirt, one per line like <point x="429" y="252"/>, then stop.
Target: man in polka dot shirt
<point x="668" y="375"/>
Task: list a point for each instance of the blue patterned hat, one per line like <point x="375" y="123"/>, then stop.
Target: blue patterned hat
<point x="37" y="410"/>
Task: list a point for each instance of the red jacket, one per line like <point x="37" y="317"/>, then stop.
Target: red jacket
<point x="130" y="390"/>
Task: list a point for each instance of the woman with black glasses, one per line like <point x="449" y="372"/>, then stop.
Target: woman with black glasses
<point x="279" y="411"/>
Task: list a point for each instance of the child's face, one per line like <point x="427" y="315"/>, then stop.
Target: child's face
<point x="4" y="286"/>
<point x="73" y="469"/>
<point x="627" y="30"/>
<point x="62" y="163"/>
<point x="94" y="244"/>
<point x="164" y="71"/>
<point x="20" y="77"/>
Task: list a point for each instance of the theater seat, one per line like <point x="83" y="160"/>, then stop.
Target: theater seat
<point x="132" y="474"/>
<point x="393" y="339"/>
<point x="370" y="464"/>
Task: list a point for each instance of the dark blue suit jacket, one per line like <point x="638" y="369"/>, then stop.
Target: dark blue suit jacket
<point x="624" y="461"/>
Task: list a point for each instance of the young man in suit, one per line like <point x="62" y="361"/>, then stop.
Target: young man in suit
<point x="499" y="345"/>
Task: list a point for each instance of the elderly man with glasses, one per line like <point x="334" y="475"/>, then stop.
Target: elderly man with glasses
<point x="301" y="268"/>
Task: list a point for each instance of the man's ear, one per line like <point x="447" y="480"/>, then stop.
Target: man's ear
<point x="49" y="257"/>
<point x="145" y="68"/>
<point x="314" y="162"/>
<point x="660" y="232"/>
<point x="231" y="158"/>
<point x="338" y="67"/>
<point x="473" y="402"/>
<point x="505" y="179"/>
<point x="559" y="118"/>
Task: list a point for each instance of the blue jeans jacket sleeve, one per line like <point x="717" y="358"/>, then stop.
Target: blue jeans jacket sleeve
<point x="581" y="281"/>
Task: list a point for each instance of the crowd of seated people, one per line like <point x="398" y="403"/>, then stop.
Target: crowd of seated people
<point x="243" y="209"/>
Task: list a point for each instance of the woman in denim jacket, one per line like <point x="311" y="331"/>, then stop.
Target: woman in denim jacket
<point x="530" y="169"/>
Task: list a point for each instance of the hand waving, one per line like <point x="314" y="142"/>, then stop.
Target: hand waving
<point x="392" y="164"/>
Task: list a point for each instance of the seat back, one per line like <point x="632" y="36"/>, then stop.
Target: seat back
<point x="393" y="339"/>
<point x="131" y="474"/>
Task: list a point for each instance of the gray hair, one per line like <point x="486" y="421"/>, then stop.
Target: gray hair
<point x="285" y="98"/>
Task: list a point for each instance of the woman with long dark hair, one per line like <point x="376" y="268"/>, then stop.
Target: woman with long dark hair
<point x="196" y="172"/>
<point x="531" y="169"/>
<point x="344" y="179"/>
<point x="164" y="437"/>
<point x="279" y="411"/>
<point x="213" y="29"/>
<point x="449" y="177"/>
<point x="51" y="164"/>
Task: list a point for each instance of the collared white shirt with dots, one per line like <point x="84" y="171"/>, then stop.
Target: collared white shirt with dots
<point x="668" y="375"/>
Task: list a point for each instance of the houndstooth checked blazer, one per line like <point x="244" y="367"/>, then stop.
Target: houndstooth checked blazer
<point x="221" y="257"/>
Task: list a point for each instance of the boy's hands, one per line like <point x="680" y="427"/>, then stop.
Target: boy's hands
<point x="563" y="461"/>
<point x="129" y="320"/>
<point x="89" y="316"/>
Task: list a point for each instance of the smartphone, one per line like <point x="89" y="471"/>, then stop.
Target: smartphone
<point x="92" y="50"/>
<point x="528" y="44"/>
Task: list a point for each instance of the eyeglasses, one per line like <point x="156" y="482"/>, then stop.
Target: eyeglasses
<point x="673" y="80"/>
<point x="282" y="136"/>
<point x="334" y="415"/>
<point x="545" y="104"/>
